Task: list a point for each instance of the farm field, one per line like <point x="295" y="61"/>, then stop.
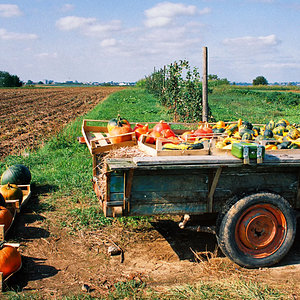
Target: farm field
<point x="64" y="237"/>
<point x="28" y="117"/>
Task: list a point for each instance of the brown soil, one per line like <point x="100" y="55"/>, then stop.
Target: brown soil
<point x="57" y="262"/>
<point x="30" y="116"/>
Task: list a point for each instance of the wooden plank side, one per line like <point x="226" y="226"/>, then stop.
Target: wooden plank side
<point x="175" y="209"/>
<point x="269" y="160"/>
<point x="168" y="197"/>
<point x="116" y="183"/>
<point x="165" y="182"/>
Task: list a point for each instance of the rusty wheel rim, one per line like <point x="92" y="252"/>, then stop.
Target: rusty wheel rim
<point x="261" y="230"/>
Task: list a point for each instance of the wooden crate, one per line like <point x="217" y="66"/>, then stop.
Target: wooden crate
<point x="156" y="149"/>
<point x="98" y="140"/>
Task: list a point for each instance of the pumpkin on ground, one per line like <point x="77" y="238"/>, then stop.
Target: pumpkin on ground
<point x="10" y="260"/>
<point x="16" y="174"/>
<point x="11" y="192"/>
<point x="5" y="218"/>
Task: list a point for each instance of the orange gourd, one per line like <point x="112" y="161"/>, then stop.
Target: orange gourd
<point x="11" y="192"/>
<point x="10" y="260"/>
<point x="5" y="218"/>
<point x="116" y="136"/>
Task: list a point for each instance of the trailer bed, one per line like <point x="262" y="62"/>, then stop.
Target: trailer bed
<point x="192" y="184"/>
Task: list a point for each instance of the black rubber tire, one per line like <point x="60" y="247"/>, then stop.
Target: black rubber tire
<point x="226" y="233"/>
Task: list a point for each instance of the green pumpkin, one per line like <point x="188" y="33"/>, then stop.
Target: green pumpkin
<point x="270" y="125"/>
<point x="218" y="130"/>
<point x="247" y="124"/>
<point x="281" y="123"/>
<point x="293" y="146"/>
<point x="268" y="133"/>
<point x="232" y="129"/>
<point x="116" y="122"/>
<point x="279" y="130"/>
<point x="294" y="134"/>
<point x="16" y="174"/>
<point x="247" y="136"/>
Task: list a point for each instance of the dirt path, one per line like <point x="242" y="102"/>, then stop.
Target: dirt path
<point x="56" y="263"/>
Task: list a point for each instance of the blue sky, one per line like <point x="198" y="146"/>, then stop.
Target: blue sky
<point x="124" y="40"/>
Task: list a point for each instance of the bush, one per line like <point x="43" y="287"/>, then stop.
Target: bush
<point x="179" y="88"/>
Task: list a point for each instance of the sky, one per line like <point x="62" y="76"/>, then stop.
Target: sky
<point x="124" y="40"/>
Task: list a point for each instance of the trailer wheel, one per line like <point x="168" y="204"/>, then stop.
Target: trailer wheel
<point x="257" y="230"/>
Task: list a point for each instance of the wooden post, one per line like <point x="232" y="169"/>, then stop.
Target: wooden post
<point x="204" y="87"/>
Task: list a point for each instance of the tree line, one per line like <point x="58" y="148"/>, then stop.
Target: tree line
<point x="8" y="80"/>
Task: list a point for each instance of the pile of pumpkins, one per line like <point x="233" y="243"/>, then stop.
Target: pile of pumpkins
<point x="275" y="135"/>
<point x="10" y="258"/>
<point x="119" y="129"/>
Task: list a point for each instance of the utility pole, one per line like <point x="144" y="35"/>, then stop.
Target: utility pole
<point x="204" y="87"/>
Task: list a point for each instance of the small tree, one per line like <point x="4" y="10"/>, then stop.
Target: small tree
<point x="260" y="80"/>
<point x="7" y="80"/>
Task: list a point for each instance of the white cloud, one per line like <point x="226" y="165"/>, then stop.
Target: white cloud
<point x="67" y="7"/>
<point x="6" y="35"/>
<point x="9" y="10"/>
<point x="98" y="29"/>
<point x="88" y="26"/>
<point x="164" y="13"/>
<point x="252" y="42"/>
<point x="47" y="55"/>
<point x="73" y="22"/>
<point x="108" y="43"/>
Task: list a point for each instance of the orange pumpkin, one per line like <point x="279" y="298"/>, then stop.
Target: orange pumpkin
<point x="116" y="134"/>
<point x="10" y="260"/>
<point x="5" y="218"/>
<point x="162" y="125"/>
<point x="140" y="129"/>
<point x="11" y="192"/>
<point x="152" y="137"/>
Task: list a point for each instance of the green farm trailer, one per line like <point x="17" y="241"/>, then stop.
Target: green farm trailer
<point x="256" y="205"/>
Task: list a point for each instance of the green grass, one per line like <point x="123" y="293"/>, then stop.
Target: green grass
<point x="222" y="289"/>
<point x="258" y="106"/>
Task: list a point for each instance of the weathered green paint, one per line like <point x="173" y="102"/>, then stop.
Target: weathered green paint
<point x="185" y="189"/>
<point x="117" y="182"/>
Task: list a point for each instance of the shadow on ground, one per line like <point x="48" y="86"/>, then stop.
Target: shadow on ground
<point x="28" y="226"/>
<point x="32" y="269"/>
<point x="184" y="242"/>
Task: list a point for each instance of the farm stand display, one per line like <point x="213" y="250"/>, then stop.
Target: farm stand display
<point x="255" y="201"/>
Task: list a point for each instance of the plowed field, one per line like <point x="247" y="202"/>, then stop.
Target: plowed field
<point x="29" y="116"/>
